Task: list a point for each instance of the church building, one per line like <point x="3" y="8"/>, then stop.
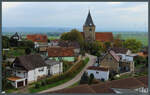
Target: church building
<point x="90" y="35"/>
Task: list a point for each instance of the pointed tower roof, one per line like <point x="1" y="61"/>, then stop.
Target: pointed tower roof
<point x="89" y="21"/>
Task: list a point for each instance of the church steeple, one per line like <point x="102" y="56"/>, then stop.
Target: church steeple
<point x="89" y="29"/>
<point x="89" y="21"/>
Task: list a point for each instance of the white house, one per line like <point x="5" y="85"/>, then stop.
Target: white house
<point x="54" y="67"/>
<point x="99" y="73"/>
<point x="124" y="53"/>
<point x="27" y="69"/>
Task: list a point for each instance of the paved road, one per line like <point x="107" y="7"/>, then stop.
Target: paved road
<point x="75" y="79"/>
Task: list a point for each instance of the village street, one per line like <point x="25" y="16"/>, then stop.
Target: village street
<point x="75" y="79"/>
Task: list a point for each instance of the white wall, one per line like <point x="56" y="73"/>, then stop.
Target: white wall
<point x="126" y="57"/>
<point x="99" y="75"/>
<point x="33" y="74"/>
<point x="55" y="69"/>
<point x="142" y="90"/>
<point x="20" y="73"/>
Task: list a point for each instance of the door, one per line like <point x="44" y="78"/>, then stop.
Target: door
<point x="20" y="84"/>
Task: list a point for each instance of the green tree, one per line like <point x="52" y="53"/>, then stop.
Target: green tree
<point x="84" y="78"/>
<point x="5" y="42"/>
<point x="107" y="45"/>
<point x="27" y="51"/>
<point x="117" y="41"/>
<point x="93" y="48"/>
<point x="91" y="78"/>
<point x="73" y="35"/>
<point x="132" y="44"/>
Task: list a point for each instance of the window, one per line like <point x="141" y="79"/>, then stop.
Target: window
<point x="97" y="72"/>
<point x="19" y="72"/>
<point x="41" y="70"/>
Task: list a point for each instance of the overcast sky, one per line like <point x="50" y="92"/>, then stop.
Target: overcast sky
<point x="106" y="15"/>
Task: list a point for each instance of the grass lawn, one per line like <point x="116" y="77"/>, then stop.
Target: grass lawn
<point x="53" y="37"/>
<point x="74" y="85"/>
<point x="143" y="37"/>
<point x="11" y="90"/>
<point x="33" y="90"/>
<point x="14" y="52"/>
<point x="60" y="81"/>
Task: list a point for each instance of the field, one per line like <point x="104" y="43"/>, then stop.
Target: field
<point x="143" y="37"/>
<point x="140" y="36"/>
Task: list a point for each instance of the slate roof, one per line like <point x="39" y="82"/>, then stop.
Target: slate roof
<point x="29" y="62"/>
<point x="114" y="55"/>
<point x="89" y="21"/>
<point x="51" y="62"/>
<point x="60" y="52"/>
<point x="119" y="50"/>
<point x="97" y="68"/>
<point x="37" y="38"/>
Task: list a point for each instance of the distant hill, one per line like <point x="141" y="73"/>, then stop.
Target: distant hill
<point x="50" y="31"/>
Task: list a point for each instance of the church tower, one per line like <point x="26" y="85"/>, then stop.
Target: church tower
<point x="89" y="29"/>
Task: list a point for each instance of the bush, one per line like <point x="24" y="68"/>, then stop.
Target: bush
<point x="9" y="86"/>
<point x="37" y="85"/>
<point x="43" y="83"/>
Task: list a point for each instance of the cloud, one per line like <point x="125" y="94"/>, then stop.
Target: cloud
<point x="10" y="4"/>
<point x="137" y="8"/>
<point x="114" y="3"/>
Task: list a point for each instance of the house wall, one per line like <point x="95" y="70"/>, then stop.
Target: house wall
<point x="109" y="62"/>
<point x="56" y="69"/>
<point x="20" y="73"/>
<point x="99" y="74"/>
<point x="142" y="90"/>
<point x="70" y="59"/>
<point x="38" y="72"/>
<point x="126" y="57"/>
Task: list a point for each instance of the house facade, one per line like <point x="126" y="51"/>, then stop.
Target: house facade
<point x="27" y="69"/>
<point x="111" y="61"/>
<point x="54" y="67"/>
<point x="126" y="59"/>
<point x="98" y="72"/>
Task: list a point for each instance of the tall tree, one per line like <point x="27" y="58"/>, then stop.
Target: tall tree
<point x="117" y="41"/>
<point x="73" y="35"/>
<point x="133" y="45"/>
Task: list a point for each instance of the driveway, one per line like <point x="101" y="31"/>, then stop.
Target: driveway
<point x="75" y="79"/>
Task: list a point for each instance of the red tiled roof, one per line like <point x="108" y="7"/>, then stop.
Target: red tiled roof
<point x="60" y="51"/>
<point x="97" y="68"/>
<point x="102" y="36"/>
<point x="102" y="88"/>
<point x="127" y="83"/>
<point x="143" y="79"/>
<point x="79" y="89"/>
<point x="86" y="89"/>
<point x="37" y="38"/>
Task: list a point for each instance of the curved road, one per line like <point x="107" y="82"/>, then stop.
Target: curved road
<point x="75" y="79"/>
